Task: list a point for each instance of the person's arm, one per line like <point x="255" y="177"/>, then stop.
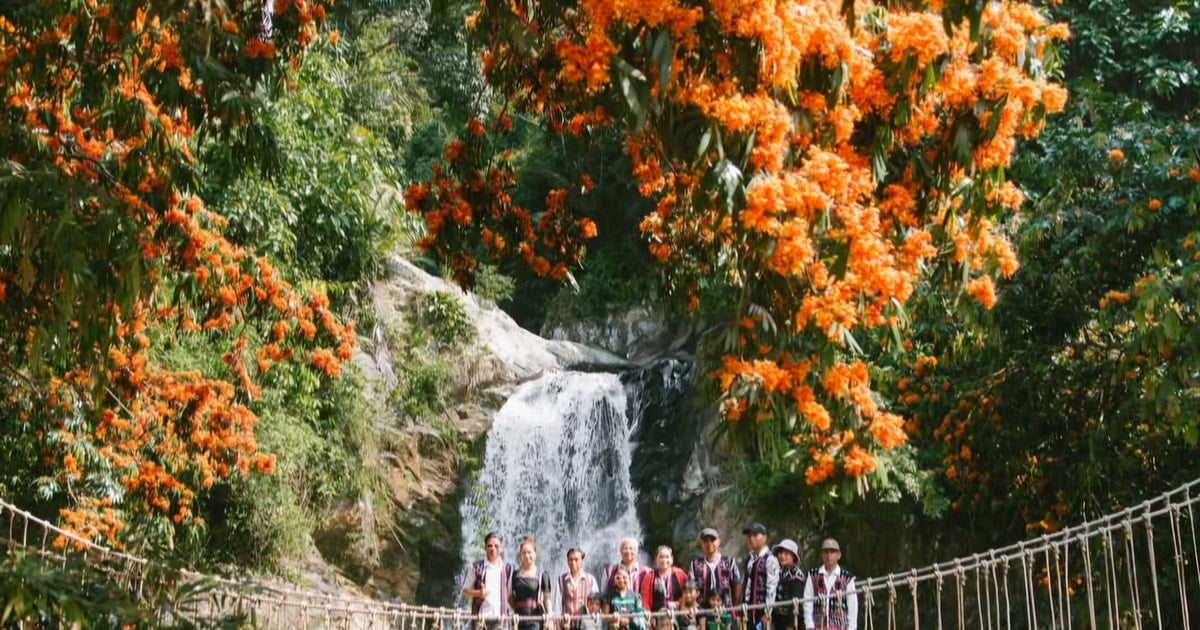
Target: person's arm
<point x="851" y="605"/>
<point x="772" y="582"/>
<point x="468" y="582"/>
<point x="737" y="582"/>
<point x="809" y="623"/>
<point x="639" y="616"/>
<point x="546" y="592"/>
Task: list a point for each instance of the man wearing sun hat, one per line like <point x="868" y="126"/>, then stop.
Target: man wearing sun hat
<point x="762" y="575"/>
<point x="829" y="598"/>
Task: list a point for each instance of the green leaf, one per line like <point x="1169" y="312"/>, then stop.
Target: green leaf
<point x="663" y="52"/>
<point x="634" y="88"/>
<point x="705" y="141"/>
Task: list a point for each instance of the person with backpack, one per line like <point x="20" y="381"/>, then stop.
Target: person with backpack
<point x="530" y="594"/>
<point x="714" y="573"/>
<point x="663" y="588"/>
<point x="488" y="582"/>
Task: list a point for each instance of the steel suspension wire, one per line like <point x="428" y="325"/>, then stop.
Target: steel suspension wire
<point x="1050" y="586"/>
<point x="1110" y="578"/>
<point x="891" y="605"/>
<point x="868" y="611"/>
<point x="1066" y="584"/>
<point x="978" y="599"/>
<point x="912" y="586"/>
<point x="1088" y="585"/>
<point x="1153" y="572"/>
<point x="960" y="577"/>
<point x="1131" y="557"/>
<point x="1030" y="599"/>
<point x="1007" y="600"/>
<point x="985" y="617"/>
<point x="939" y="600"/>
<point x="995" y="593"/>
<point x="1180" y="571"/>
<point x="1192" y="520"/>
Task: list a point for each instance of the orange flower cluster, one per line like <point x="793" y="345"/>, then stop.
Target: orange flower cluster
<point x="801" y="167"/>
<point x="104" y="100"/>
<point x="468" y="206"/>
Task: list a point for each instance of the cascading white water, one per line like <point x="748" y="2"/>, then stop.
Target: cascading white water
<point x="556" y="467"/>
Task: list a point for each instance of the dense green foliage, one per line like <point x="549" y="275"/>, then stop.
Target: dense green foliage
<point x="83" y="593"/>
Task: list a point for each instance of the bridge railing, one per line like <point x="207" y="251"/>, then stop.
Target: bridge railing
<point x="1138" y="568"/>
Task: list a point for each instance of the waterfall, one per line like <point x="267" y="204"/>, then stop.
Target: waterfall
<point x="556" y="467"/>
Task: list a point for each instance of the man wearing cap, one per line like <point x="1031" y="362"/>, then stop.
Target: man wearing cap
<point x="714" y="573"/>
<point x="762" y="575"/>
<point x="787" y="612"/>
<point x="829" y="597"/>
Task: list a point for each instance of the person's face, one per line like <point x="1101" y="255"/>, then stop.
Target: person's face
<point x="785" y="558"/>
<point x="830" y="557"/>
<point x="628" y="552"/>
<point x="709" y="545"/>
<point x="621" y="579"/>
<point x="593" y="606"/>
<point x="574" y="562"/>
<point x="664" y="559"/>
<point x="714" y="601"/>
<point x="528" y="555"/>
<point x="756" y="541"/>
<point x="689" y="596"/>
<point x="492" y="549"/>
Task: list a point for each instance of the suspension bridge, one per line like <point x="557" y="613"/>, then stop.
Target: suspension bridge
<point x="1135" y="568"/>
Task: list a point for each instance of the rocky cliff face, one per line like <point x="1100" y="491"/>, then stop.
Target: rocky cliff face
<point x="639" y="332"/>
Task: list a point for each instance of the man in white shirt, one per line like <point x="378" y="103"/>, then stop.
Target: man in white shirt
<point x="488" y="582"/>
<point x="829" y="598"/>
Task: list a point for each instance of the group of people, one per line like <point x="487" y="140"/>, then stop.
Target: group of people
<point x="715" y="592"/>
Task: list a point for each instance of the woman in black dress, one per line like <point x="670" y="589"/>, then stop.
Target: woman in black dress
<point x="530" y="592"/>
